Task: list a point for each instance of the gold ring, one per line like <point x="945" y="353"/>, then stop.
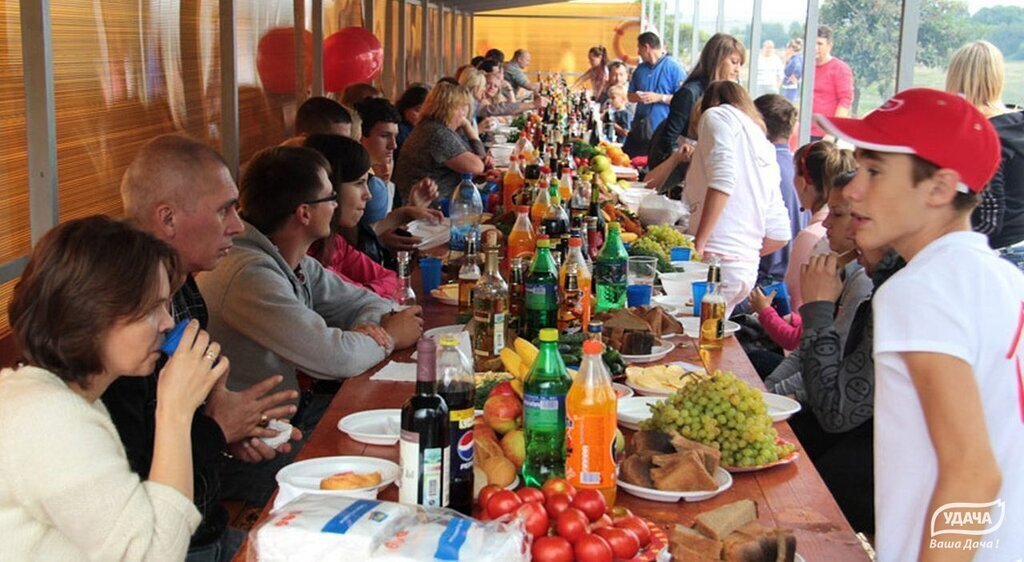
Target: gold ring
<point x="264" y="421"/>
<point x="210" y="354"/>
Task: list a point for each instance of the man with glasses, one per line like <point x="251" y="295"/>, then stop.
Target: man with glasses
<point x="277" y="311"/>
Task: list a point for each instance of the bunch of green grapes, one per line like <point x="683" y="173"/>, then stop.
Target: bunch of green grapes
<point x="645" y="246"/>
<point x="668" y="237"/>
<point x="723" y="412"/>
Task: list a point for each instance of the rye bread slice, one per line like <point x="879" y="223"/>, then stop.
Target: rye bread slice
<point x="693" y="540"/>
<point x="636" y="470"/>
<point x="681" y="472"/>
<point x="710" y="455"/>
<point x="680" y="553"/>
<point x="654" y="441"/>
<point x="719" y="523"/>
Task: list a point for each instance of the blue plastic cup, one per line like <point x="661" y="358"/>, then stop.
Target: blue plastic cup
<point x="173" y="338"/>
<point x="680" y="254"/>
<point x="638" y="295"/>
<point x="699" y="288"/>
<point x="430" y="274"/>
<point x="781" y="302"/>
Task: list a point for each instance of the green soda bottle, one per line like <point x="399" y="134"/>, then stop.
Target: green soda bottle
<point x="610" y="271"/>
<point x="541" y="295"/>
<point x="544" y="419"/>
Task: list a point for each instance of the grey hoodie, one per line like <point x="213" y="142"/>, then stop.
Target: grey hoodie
<point x="269" y="321"/>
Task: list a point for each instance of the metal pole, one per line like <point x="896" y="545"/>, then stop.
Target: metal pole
<point x="643" y="15"/>
<point x="807" y="82"/>
<point x="229" y="144"/>
<point x="695" y="34"/>
<point x="720" y="22"/>
<point x="388" y="77"/>
<point x="442" y="66"/>
<point x="403" y="69"/>
<point x="675" y="31"/>
<point x="318" y="47"/>
<point x="425" y="43"/>
<point x="661" y="19"/>
<point x="755" y="42"/>
<point x="299" y="10"/>
<point x="910" y="21"/>
<point x="369" y="15"/>
<point x="40" y="116"/>
<point x="455" y="62"/>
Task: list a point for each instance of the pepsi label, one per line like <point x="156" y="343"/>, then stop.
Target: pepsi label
<point x="462" y="442"/>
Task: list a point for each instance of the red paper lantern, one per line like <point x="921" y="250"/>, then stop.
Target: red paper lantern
<point x="351" y="55"/>
<point x="275" y="59"/>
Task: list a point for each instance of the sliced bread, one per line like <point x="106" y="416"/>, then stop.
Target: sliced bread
<point x="719" y="523"/>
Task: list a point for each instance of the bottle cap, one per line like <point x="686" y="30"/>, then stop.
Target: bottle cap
<point x="593" y="347"/>
<point x="714" y="274"/>
<point x="614" y="225"/>
<point x="548" y="335"/>
<point x="595" y="327"/>
<point x="449" y="340"/>
<point x="575" y="242"/>
<point x="522" y="209"/>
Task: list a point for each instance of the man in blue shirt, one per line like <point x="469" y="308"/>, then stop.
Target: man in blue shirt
<point x="654" y="81"/>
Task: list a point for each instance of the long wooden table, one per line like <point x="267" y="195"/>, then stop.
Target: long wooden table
<point x="791" y="496"/>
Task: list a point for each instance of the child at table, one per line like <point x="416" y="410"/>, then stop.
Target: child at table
<point x="949" y="399"/>
<point x="620" y="115"/>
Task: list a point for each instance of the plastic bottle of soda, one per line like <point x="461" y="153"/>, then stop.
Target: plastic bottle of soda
<point x="590" y="425"/>
<point x="465" y="210"/>
<point x="544" y="413"/>
<point x="521" y="240"/>
<point x="541" y="295"/>
<point x="456" y="386"/>
<point x="610" y="272"/>
<point x="511" y="184"/>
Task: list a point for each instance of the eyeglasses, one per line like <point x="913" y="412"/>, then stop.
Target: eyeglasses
<point x="333" y="197"/>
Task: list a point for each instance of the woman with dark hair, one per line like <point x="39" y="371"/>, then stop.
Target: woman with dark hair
<point x="339" y="252"/>
<point x="720" y="59"/>
<point x="597" y="74"/>
<point x="83" y="316"/>
<point x="409" y="106"/>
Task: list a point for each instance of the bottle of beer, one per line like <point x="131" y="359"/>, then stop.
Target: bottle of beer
<point x="469" y="274"/>
<point x="712" y="311"/>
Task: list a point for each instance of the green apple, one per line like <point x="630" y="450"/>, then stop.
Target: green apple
<point x="601" y="163"/>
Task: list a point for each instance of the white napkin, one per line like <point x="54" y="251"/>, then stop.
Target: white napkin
<point x="395" y="371"/>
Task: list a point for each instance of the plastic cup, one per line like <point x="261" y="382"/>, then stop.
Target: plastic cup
<point x="430" y="274"/>
<point x="699" y="288"/>
<point x="641" y="270"/>
<point x="680" y="254"/>
<point x="638" y="295"/>
<point x="781" y="302"/>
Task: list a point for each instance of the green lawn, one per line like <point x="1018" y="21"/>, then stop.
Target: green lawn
<point x="936" y="78"/>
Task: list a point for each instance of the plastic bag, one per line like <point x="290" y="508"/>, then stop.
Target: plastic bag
<point x="658" y="209"/>
<point x="338" y="528"/>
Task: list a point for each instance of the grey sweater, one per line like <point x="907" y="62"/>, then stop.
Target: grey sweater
<point x="271" y="321"/>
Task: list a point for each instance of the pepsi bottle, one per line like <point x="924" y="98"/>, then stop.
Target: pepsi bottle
<point x="457" y="387"/>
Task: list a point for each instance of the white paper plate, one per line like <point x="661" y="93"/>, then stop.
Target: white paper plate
<point x="433" y="234"/>
<point x="306" y="475"/>
<point x="722" y="478"/>
<point x="671" y="304"/>
<point x="442" y="330"/>
<point x="644" y="391"/>
<point x="373" y="427"/>
<point x="622" y="391"/>
<point x="691" y="325"/>
<point x="447" y="294"/>
<point x="780" y="408"/>
<point x="632" y="411"/>
<point x="657" y="352"/>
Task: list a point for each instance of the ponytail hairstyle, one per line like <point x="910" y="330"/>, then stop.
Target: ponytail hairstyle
<point x="809" y="164"/>
<point x="599" y="51"/>
<point x="725" y="92"/>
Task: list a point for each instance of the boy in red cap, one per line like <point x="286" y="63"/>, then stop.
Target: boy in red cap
<point x="949" y="394"/>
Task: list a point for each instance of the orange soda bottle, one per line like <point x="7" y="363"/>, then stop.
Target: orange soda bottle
<point x="511" y="184"/>
<point x="521" y="240"/>
<point x="583" y="278"/>
<point x="590" y="411"/>
<point x="540" y="203"/>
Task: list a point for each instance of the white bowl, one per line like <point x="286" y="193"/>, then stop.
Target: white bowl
<point x="691" y="267"/>
<point x="373" y="427"/>
<point x="680" y="284"/>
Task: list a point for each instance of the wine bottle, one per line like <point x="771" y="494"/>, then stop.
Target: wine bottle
<point x="424" y="448"/>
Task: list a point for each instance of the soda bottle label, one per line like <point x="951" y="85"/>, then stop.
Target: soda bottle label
<point x="541" y="296"/>
<point x="543" y="412"/>
<point x="462" y="441"/>
<point x="590" y="450"/>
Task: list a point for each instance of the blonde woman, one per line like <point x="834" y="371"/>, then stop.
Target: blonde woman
<point x="976" y="71"/>
<point x="444" y="144"/>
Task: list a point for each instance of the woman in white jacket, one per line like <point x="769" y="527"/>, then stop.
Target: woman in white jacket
<point x="92" y="306"/>
<point x="732" y="186"/>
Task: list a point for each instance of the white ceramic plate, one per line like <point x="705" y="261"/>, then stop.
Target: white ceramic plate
<point x="442" y="330"/>
<point x="780" y="408"/>
<point x="447" y="294"/>
<point x="644" y="391"/>
<point x="657" y="352"/>
<point x="306" y="475"/>
<point x="373" y="427"/>
<point x="632" y="411"/>
<point x="691" y="324"/>
<point x="722" y="478"/>
<point x="622" y="391"/>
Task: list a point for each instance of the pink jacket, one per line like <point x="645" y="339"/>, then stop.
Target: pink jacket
<point x="786" y="334"/>
<point x="355" y="267"/>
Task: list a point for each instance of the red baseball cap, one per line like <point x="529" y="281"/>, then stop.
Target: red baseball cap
<point x="942" y="128"/>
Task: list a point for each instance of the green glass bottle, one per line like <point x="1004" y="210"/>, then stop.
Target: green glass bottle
<point x="610" y="271"/>
<point x="544" y="413"/>
<point x="541" y="291"/>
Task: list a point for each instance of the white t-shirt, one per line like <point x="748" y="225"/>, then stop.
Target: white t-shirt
<point x="735" y="157"/>
<point x="958" y="298"/>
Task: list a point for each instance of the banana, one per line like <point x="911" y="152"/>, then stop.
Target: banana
<point x="527" y="351"/>
<point x="511" y="360"/>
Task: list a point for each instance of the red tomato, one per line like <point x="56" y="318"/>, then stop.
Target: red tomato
<point x="624" y="543"/>
<point x="534" y="517"/>
<point x="501" y="503"/>
<point x="552" y="549"/>
<point x="591" y="503"/>
<point x="593" y="548"/>
<point x="602" y="521"/>
<point x="531" y="495"/>
<point x="619" y="513"/>
<point x="556" y="504"/>
<point x="558" y="486"/>
<point x="485" y="494"/>
<point x="638" y="527"/>
<point x="572" y="525"/>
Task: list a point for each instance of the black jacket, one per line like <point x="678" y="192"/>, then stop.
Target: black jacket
<point x="1000" y="215"/>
